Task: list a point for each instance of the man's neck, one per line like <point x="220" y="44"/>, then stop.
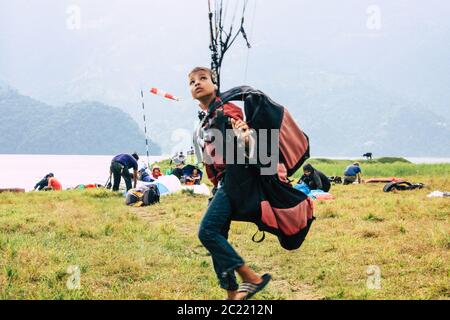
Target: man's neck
<point x="206" y="101"/>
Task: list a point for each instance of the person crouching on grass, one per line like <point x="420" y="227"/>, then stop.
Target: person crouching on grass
<point x="214" y="227"/>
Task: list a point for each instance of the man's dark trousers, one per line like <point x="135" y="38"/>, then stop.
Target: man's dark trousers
<point x="119" y="170"/>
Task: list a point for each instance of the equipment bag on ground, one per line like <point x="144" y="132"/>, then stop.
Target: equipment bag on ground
<point x="268" y="200"/>
<point x="401" y="186"/>
<point x="142" y="196"/>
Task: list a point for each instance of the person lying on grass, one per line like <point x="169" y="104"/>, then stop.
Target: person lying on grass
<point x="215" y="225"/>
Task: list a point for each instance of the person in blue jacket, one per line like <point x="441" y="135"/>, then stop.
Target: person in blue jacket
<point x="352" y="173"/>
<point x="120" y="166"/>
<point x="144" y="175"/>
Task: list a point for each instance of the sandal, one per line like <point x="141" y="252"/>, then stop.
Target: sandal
<point x="252" y="288"/>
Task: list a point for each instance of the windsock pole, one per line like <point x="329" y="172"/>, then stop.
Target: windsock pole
<point x="145" y="128"/>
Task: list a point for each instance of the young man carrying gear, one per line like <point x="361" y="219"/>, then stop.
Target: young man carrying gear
<point x="120" y="166"/>
<point x="215" y="225"/>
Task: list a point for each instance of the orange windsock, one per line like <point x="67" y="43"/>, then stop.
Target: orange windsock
<point x="164" y="94"/>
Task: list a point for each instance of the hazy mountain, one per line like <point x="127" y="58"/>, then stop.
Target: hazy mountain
<point x="343" y="115"/>
<point x="349" y="85"/>
<point x="32" y="127"/>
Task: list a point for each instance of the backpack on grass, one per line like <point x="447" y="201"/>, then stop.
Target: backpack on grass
<point x="142" y="196"/>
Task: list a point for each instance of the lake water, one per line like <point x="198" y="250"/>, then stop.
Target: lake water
<point x="23" y="171"/>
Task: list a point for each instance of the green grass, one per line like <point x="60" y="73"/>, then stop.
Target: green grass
<point x="153" y="252"/>
<point x="395" y="167"/>
<point x="380" y="167"/>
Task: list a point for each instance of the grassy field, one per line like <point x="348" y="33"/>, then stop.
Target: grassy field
<point x="153" y="252"/>
<point x="383" y="167"/>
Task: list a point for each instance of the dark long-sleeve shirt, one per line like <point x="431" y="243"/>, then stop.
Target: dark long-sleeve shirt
<point x="316" y="180"/>
<point x="41" y="184"/>
<point x="126" y="160"/>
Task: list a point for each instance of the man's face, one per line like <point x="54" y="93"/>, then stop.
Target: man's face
<point x="307" y="172"/>
<point x="200" y="84"/>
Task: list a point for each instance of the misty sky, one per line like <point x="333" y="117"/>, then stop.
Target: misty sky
<point x="122" y="46"/>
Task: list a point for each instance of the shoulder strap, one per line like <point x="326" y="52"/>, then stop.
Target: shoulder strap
<point x="262" y="237"/>
<point x="235" y="94"/>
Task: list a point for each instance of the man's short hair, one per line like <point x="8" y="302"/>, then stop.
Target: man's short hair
<point x="135" y="155"/>
<point x="211" y="73"/>
<point x="356" y="164"/>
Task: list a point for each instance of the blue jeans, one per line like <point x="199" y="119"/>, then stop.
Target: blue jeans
<point x="213" y="234"/>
